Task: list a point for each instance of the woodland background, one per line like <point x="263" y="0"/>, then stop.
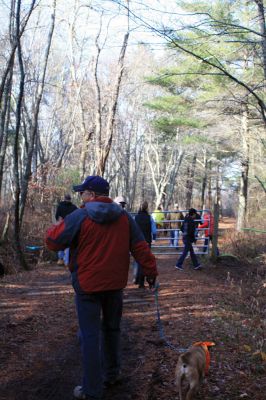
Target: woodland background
<point x="166" y="101"/>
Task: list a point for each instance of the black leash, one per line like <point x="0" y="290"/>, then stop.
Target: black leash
<point x="160" y="325"/>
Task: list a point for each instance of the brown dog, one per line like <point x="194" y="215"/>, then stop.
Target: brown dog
<point x="192" y="366"/>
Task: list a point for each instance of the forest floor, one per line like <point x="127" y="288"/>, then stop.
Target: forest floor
<point x="225" y="303"/>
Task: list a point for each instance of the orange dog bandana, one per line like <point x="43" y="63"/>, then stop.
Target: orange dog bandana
<point x="205" y="346"/>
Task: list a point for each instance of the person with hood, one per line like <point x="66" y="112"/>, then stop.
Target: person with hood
<point x="64" y="208"/>
<point x="101" y="236"/>
<point x="188" y="229"/>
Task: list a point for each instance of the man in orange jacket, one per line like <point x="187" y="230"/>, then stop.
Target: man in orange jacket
<point x="100" y="235"/>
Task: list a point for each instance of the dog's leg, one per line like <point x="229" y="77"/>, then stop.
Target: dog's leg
<point x="193" y="388"/>
<point x="178" y="383"/>
<point x="180" y="391"/>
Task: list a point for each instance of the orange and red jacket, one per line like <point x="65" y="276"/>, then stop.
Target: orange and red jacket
<point x="208" y="222"/>
<point x="101" y="236"/>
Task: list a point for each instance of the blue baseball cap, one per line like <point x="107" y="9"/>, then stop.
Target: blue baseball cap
<point x="95" y="184"/>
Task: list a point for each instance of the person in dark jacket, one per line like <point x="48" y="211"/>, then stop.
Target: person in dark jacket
<point x="148" y="228"/>
<point x="188" y="229"/>
<point x="198" y="221"/>
<point x="64" y="208"/>
<point x="101" y="236"/>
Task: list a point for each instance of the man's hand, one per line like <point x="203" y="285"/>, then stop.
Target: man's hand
<point x="151" y="281"/>
<point x="60" y="219"/>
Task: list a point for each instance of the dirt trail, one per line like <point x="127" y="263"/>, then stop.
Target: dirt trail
<point x="39" y="357"/>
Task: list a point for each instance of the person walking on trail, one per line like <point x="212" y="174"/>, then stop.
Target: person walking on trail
<point x="188" y="229"/>
<point x="176" y="217"/>
<point x="64" y="208"/>
<point x="121" y="201"/>
<point x="148" y="227"/>
<point x="208" y="226"/>
<point x="101" y="236"/>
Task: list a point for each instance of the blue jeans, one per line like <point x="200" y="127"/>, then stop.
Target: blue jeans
<point x="99" y="316"/>
<point x="174" y="237"/>
<point x="64" y="255"/>
<point x="206" y="243"/>
<point x="205" y="246"/>
<point x="135" y="271"/>
<point x="187" y="248"/>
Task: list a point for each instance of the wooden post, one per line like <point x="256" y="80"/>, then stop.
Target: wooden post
<point x="5" y="230"/>
<point x="215" y="232"/>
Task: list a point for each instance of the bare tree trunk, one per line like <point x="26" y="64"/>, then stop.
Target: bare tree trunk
<point x="6" y="89"/>
<point x="173" y="179"/>
<point x="190" y="182"/>
<point x="143" y="181"/>
<point x="218" y="187"/>
<point x="127" y="167"/>
<point x="15" y="42"/>
<point x="5" y="230"/>
<point x="35" y="158"/>
<point x="210" y="185"/>
<point x="18" y="248"/>
<point x="215" y="232"/>
<point x="4" y="124"/>
<point x="261" y="183"/>
<point x="133" y="181"/>
<point x="77" y="83"/>
<point x="243" y="189"/>
<point x="160" y="178"/>
<point x="105" y="150"/>
<point x="262" y="23"/>
<point x="34" y="128"/>
<point x="98" y="113"/>
<point x="204" y="182"/>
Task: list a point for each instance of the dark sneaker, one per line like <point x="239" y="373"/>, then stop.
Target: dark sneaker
<point x="197" y="267"/>
<point x="79" y="394"/>
<point x="179" y="268"/>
